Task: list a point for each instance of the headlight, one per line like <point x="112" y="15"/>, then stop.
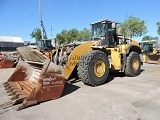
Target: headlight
<point x="103" y="37"/>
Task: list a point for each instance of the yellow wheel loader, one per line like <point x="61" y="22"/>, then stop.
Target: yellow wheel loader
<point x="151" y="53"/>
<point x="37" y="79"/>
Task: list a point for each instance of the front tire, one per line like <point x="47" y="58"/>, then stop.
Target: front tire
<point x="93" y="68"/>
<point x="133" y="64"/>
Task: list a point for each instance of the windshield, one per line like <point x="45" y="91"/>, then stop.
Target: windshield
<point x="146" y="46"/>
<point x="47" y="44"/>
<point x="98" y="30"/>
<point x="40" y="44"/>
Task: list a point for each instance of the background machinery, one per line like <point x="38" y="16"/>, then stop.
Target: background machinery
<point x="151" y="51"/>
<point x="37" y="79"/>
<point x="8" y="60"/>
<point x="45" y="45"/>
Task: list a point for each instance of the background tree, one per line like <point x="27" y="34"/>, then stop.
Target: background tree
<point x="36" y="33"/>
<point x="149" y="38"/>
<point x="62" y="37"/>
<point x="158" y="25"/>
<point x="71" y="35"/>
<point x="84" y="34"/>
<point x="133" y="26"/>
<point x="153" y="40"/>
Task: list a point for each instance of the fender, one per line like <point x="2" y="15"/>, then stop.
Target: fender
<point x="129" y="50"/>
<point x="133" y="48"/>
<point x="136" y="49"/>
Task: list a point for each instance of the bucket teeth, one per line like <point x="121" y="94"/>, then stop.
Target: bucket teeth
<point x="6" y="84"/>
<point x="15" y="91"/>
<point x="10" y="90"/>
<point x="20" y="99"/>
<point x="12" y="93"/>
<point x="14" y="97"/>
<point x="18" y="96"/>
<point x="8" y="87"/>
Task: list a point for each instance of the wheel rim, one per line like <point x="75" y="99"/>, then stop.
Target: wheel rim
<point x="99" y="68"/>
<point x="135" y="64"/>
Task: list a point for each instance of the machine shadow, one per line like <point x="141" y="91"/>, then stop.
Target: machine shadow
<point x="69" y="88"/>
<point x="114" y="74"/>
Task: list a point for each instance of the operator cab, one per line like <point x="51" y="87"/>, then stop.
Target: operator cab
<point x="105" y="31"/>
<point x="147" y="47"/>
<point x="46" y="44"/>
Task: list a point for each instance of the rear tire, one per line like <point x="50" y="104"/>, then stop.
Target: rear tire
<point x="133" y="64"/>
<point x="93" y="68"/>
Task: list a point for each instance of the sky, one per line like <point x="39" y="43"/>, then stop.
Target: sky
<point x="20" y="17"/>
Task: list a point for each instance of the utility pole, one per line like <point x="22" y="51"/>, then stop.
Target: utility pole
<point x="43" y="32"/>
<point x="41" y="22"/>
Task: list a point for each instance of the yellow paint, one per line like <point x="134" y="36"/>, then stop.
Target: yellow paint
<point x="123" y="48"/>
<point x="115" y="59"/>
<point x="75" y="56"/>
<point x="135" y="64"/>
<point x="99" y="68"/>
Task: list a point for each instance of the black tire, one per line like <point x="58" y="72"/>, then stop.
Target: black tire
<point x="130" y="70"/>
<point x="87" y="64"/>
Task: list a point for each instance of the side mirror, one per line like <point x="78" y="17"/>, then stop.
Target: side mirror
<point x="53" y="42"/>
<point x="113" y="25"/>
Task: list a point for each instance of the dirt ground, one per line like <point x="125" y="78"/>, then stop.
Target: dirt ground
<point x="122" y="98"/>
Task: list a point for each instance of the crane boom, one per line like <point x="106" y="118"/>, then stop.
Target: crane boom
<point x="43" y="32"/>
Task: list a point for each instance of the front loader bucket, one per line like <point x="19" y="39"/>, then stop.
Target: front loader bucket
<point x="34" y="82"/>
<point x="151" y="59"/>
<point x="6" y="61"/>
